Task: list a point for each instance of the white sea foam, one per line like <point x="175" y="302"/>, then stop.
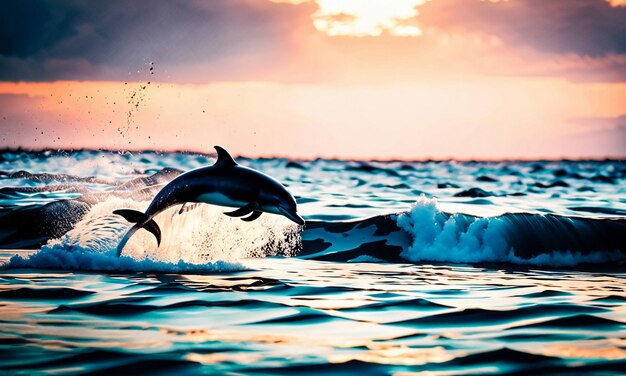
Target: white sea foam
<point x="460" y="238"/>
<point x="77" y="258"/>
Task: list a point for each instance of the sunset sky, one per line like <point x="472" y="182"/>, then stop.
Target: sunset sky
<point x="409" y="79"/>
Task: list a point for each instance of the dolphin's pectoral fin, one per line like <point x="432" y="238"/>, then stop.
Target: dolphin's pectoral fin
<point x="185" y="208"/>
<point x="244" y="210"/>
<point x="255" y="214"/>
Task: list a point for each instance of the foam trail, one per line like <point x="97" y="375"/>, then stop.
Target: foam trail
<point x="59" y="257"/>
<point x="202" y="239"/>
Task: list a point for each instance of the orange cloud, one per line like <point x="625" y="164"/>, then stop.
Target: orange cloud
<point x="480" y="118"/>
<point x="617" y="3"/>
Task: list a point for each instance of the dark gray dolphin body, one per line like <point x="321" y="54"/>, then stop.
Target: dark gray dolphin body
<point x="226" y="184"/>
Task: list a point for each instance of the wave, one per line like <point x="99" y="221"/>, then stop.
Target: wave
<point x="517" y="238"/>
<point x="427" y="234"/>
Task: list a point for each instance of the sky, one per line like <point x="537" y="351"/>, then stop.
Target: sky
<point x="366" y="79"/>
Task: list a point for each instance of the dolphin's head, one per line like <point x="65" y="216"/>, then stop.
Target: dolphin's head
<point x="291" y="213"/>
<point x="285" y="204"/>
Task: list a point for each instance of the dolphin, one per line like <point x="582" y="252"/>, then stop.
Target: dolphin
<point x="225" y="183"/>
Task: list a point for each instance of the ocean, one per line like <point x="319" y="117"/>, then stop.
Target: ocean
<point x="404" y="268"/>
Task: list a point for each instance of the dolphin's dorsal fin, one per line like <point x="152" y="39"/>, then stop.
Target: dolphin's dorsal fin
<point x="223" y="158"/>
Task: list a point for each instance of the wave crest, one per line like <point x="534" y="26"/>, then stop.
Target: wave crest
<point x="442" y="237"/>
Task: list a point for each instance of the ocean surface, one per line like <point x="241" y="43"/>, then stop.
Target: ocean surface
<point x="404" y="268"/>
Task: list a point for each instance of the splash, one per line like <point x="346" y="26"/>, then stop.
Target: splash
<point x="202" y="239"/>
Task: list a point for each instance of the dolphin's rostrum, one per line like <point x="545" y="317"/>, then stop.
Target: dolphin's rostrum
<point x="225" y="183"/>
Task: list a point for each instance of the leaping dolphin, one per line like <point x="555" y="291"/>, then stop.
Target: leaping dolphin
<point x="225" y="183"/>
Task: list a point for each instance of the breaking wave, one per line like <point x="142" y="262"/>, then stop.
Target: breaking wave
<point x="516" y="238"/>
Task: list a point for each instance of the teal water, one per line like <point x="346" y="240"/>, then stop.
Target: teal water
<point x="428" y="276"/>
<point x="285" y="315"/>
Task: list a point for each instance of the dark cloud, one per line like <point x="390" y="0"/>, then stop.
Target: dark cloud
<point x="199" y="41"/>
<point x="584" y="27"/>
<point x="73" y="39"/>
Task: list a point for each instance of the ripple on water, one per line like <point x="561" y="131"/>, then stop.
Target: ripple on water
<point x="293" y="314"/>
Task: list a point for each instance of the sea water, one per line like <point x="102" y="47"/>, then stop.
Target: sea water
<point x="431" y="267"/>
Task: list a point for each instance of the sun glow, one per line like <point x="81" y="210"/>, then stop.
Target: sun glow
<point x="365" y="18"/>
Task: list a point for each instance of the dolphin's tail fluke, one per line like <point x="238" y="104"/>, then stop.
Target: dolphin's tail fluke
<point x="129" y="233"/>
<point x="142" y="220"/>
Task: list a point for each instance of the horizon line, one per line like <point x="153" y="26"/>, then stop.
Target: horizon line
<point x="322" y="157"/>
